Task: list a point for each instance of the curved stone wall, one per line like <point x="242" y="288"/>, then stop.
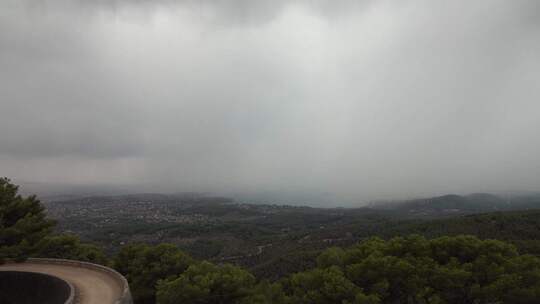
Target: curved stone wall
<point x="46" y="289"/>
<point x="125" y="298"/>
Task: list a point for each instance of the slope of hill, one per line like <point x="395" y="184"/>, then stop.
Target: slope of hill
<point x="263" y="237"/>
<point x="453" y="204"/>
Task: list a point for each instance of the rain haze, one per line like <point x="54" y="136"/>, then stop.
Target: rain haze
<point x="357" y="100"/>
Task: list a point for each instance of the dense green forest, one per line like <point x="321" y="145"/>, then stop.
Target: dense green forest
<point x="477" y="259"/>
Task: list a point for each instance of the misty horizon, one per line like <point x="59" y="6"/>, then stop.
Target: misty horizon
<point x="61" y="192"/>
<point x="350" y="100"/>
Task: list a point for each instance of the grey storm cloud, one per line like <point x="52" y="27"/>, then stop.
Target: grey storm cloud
<point x="364" y="99"/>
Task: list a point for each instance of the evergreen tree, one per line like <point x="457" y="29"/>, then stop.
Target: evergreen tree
<point x="23" y="223"/>
<point x="206" y="283"/>
<point x="144" y="265"/>
<point x="67" y="246"/>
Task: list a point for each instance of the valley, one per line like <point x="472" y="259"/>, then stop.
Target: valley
<point x="273" y="240"/>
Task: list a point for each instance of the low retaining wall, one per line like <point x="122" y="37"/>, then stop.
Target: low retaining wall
<point x="46" y="289"/>
<point x="125" y="298"/>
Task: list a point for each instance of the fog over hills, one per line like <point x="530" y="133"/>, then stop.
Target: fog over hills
<point x="275" y="151"/>
<point x="325" y="103"/>
<point x="467" y="203"/>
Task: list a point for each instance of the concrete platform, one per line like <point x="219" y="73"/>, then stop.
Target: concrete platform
<point x="94" y="284"/>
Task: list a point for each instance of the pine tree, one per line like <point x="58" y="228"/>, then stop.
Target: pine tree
<point x="22" y="223"/>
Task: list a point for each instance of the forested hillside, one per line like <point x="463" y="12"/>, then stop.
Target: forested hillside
<point x="480" y="258"/>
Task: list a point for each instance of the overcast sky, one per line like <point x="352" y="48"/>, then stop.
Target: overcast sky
<point x="362" y="99"/>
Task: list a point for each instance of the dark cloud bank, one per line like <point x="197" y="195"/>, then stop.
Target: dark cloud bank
<point x="357" y="99"/>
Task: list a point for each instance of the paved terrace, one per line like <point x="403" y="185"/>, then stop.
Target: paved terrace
<point x="93" y="284"/>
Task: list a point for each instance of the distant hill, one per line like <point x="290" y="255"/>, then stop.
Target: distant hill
<point x="456" y="204"/>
